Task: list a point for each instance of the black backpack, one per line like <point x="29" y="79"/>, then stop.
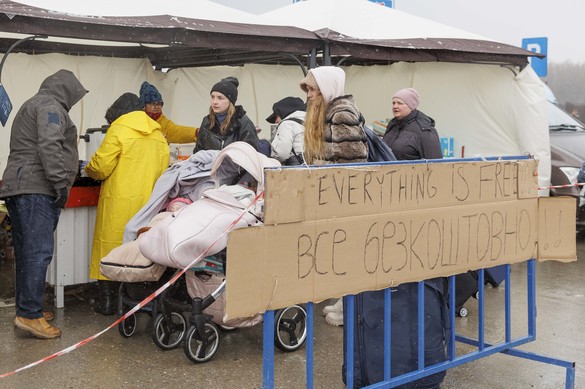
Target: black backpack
<point x="378" y="150"/>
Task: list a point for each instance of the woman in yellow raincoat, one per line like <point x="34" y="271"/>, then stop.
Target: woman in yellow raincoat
<point x="132" y="156"/>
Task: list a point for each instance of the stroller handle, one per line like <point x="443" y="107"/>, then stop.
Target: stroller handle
<point x="215" y="294"/>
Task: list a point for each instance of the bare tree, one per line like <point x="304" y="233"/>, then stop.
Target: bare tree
<point x="567" y="81"/>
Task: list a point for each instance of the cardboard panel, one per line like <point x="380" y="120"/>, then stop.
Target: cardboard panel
<point x="556" y="229"/>
<point x="528" y="180"/>
<point x="303" y="194"/>
<point x="274" y="266"/>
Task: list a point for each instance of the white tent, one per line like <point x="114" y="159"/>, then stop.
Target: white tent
<point x="488" y="108"/>
<point x="362" y="19"/>
<point x="199" y="9"/>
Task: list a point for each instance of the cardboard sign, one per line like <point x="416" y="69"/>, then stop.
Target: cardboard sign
<point x="332" y="234"/>
<point x="294" y="195"/>
<point x="556" y="229"/>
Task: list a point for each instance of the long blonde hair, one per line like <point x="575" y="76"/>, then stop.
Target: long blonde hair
<point x="314" y="129"/>
<point x="231" y="111"/>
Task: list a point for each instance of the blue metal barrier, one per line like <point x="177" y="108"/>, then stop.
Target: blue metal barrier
<point x="508" y="346"/>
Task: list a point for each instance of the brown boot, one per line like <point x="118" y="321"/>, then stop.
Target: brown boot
<point x="38" y="327"/>
<point x="48" y="315"/>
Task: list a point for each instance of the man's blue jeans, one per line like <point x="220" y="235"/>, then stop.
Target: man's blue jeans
<point x="34" y="219"/>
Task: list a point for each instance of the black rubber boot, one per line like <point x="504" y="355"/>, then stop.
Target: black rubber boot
<point x="106" y="303"/>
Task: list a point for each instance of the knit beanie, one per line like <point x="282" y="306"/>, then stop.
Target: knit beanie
<point x="330" y="80"/>
<point x="228" y="87"/>
<point x="149" y="94"/>
<point x="124" y="104"/>
<point x="409" y="96"/>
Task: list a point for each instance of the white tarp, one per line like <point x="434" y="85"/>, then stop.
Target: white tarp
<point x="197" y="9"/>
<point x="485" y="108"/>
<point x="362" y="19"/>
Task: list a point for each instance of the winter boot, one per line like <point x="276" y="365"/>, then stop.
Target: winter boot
<point x="38" y="327"/>
<point x="334" y="318"/>
<point x="337" y="307"/>
<point x="106" y="302"/>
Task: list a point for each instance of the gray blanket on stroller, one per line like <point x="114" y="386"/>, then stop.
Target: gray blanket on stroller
<point x="187" y="178"/>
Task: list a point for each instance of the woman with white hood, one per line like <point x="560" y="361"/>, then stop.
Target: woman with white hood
<point x="333" y="125"/>
<point x="333" y="134"/>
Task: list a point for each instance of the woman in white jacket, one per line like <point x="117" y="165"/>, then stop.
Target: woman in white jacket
<point x="288" y="143"/>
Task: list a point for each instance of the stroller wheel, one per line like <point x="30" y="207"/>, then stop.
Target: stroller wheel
<point x="168" y="335"/>
<point x="127" y="327"/>
<point x="290" y="328"/>
<point x="226" y="328"/>
<point x="198" y="348"/>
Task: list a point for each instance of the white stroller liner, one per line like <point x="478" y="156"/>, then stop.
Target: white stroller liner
<point x="200" y="228"/>
<point x="189" y="233"/>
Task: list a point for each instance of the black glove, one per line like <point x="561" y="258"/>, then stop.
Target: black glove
<point x="61" y="199"/>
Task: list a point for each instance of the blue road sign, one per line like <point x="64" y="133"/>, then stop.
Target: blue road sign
<point x="387" y="3"/>
<point x="5" y="105"/>
<point x="537" y="45"/>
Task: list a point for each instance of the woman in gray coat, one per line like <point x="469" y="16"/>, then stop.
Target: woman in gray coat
<point x="411" y="134"/>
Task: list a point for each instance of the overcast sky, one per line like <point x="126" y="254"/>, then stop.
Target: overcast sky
<point x="508" y="21"/>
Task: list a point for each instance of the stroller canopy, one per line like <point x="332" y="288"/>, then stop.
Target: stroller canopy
<point x="237" y="158"/>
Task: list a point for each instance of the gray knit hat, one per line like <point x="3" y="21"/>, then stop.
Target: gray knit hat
<point x="409" y="96"/>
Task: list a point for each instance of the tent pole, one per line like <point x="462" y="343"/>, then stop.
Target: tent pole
<point x="12" y="48"/>
<point x="296" y="60"/>
<point x="312" y="59"/>
<point x="326" y="55"/>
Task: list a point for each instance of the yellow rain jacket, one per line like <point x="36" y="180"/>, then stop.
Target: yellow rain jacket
<point x="132" y="156"/>
<point x="176" y="133"/>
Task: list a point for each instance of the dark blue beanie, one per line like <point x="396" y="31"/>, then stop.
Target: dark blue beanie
<point x="149" y="94"/>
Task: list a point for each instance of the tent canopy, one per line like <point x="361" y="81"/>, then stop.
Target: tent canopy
<point x="366" y="31"/>
<point x="167" y="40"/>
<point x="173" y="35"/>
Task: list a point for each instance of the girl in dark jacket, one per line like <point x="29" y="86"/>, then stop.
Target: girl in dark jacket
<point x="226" y="122"/>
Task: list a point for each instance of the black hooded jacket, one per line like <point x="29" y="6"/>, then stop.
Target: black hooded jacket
<point x="413" y="137"/>
<point x="241" y="128"/>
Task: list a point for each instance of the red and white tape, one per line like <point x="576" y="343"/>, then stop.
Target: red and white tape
<point x="143" y="302"/>
<point x="561" y="186"/>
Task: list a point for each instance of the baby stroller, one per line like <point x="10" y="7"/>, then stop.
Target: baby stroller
<point x="202" y="339"/>
<point x="198" y="230"/>
<point x="139" y="278"/>
<point x="166" y="335"/>
<point x="179" y="185"/>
